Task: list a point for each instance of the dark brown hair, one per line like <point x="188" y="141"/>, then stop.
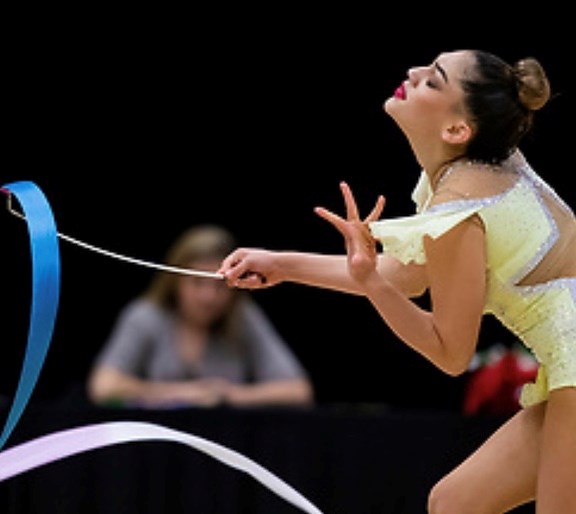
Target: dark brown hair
<point x="501" y="100"/>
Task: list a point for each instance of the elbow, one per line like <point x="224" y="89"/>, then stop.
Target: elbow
<point x="455" y="369"/>
<point x="308" y="397"/>
<point x="415" y="292"/>
<point x="95" y="392"/>
<point x="303" y="393"/>
<point x="99" y="389"/>
<point x="455" y="352"/>
<point x="456" y="365"/>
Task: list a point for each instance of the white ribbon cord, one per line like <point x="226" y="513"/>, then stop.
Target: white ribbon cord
<point x="140" y="262"/>
<point x="161" y="267"/>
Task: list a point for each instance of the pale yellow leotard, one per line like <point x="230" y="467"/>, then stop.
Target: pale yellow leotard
<point x="519" y="230"/>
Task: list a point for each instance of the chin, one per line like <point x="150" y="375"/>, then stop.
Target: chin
<point x="391" y="108"/>
<point x="389" y="105"/>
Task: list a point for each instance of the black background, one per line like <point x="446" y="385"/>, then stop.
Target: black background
<point x="136" y="125"/>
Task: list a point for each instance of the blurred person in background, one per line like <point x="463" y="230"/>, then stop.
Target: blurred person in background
<point x="193" y="341"/>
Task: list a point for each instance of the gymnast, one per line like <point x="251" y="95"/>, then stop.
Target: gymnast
<point x="489" y="236"/>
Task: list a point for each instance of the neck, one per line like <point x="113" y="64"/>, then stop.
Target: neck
<point x="436" y="170"/>
<point x="435" y="164"/>
<point x="438" y="174"/>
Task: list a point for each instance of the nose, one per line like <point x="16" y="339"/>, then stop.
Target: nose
<point x="415" y="74"/>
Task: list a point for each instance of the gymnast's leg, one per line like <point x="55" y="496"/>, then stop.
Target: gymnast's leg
<point x="556" y="489"/>
<point x="500" y="475"/>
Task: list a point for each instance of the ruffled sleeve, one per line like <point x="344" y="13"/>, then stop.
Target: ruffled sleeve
<point x="403" y="237"/>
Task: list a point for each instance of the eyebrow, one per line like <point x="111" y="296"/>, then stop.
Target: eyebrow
<point x="442" y="71"/>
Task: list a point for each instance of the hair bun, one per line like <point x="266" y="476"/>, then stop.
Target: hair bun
<point x="533" y="84"/>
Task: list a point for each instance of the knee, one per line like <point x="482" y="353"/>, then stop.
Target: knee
<point x="438" y="502"/>
<point x="446" y="497"/>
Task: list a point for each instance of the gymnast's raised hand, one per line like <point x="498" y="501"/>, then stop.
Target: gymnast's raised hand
<point x="360" y="244"/>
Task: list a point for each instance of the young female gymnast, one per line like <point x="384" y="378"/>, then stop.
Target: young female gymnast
<point x="489" y="236"/>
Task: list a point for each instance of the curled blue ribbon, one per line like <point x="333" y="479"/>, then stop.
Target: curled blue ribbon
<point x="45" y="293"/>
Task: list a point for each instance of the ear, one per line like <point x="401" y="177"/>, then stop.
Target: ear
<point x="457" y="133"/>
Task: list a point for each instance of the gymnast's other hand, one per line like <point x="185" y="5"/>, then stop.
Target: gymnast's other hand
<point x="251" y="268"/>
<point x="360" y="244"/>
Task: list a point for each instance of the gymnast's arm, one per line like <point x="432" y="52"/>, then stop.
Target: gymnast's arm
<point x="447" y="333"/>
<point x="254" y="268"/>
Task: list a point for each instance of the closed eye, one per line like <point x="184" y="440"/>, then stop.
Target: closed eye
<point x="441" y="71"/>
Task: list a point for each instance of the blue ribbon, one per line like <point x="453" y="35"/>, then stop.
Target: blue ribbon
<point x="45" y="293"/>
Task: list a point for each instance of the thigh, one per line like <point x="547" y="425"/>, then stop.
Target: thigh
<point x="501" y="474"/>
<point x="557" y="472"/>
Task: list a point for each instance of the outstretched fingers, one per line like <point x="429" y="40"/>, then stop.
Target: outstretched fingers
<point x="377" y="210"/>
<point x="352" y="213"/>
<point x="352" y="206"/>
<point x="350" y="202"/>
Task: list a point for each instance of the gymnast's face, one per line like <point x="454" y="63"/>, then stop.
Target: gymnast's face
<point x="202" y="301"/>
<point x="430" y="99"/>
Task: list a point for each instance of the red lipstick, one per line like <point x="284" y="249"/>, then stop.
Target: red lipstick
<point x="400" y="92"/>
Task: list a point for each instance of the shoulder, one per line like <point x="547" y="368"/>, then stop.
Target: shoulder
<point x="143" y="311"/>
<point x="460" y="182"/>
<point x="466" y="180"/>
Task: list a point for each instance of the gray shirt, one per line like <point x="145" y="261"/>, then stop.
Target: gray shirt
<point x="143" y="344"/>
